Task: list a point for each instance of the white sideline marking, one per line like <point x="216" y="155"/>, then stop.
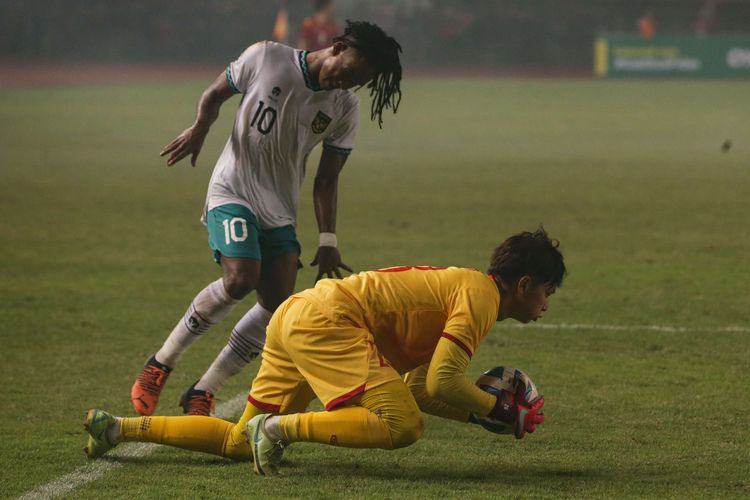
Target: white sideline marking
<point x="97" y="468"/>
<point x="631" y="328"/>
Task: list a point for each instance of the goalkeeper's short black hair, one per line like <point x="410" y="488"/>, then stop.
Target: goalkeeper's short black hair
<point x="382" y="53"/>
<point x="529" y="254"/>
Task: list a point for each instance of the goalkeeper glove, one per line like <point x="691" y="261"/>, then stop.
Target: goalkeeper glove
<point x="528" y="417"/>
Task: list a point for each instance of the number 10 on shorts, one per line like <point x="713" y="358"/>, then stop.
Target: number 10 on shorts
<point x="231" y="231"/>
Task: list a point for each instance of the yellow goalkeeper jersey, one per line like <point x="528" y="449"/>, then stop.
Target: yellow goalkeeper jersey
<point x="408" y="309"/>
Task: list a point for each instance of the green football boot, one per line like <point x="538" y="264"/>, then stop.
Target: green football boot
<point x="266" y="453"/>
<point x="96" y="424"/>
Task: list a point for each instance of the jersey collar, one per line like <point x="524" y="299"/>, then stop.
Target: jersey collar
<point x="309" y="82"/>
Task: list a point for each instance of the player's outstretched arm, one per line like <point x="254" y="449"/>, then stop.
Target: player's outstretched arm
<point x="325" y="190"/>
<point x="190" y="141"/>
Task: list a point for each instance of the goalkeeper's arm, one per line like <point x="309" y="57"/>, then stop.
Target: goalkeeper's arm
<point x="447" y="383"/>
<point x="416" y="380"/>
<point x="442" y="389"/>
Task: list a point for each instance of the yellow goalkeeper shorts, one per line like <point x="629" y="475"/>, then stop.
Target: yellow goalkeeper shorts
<point x="305" y="349"/>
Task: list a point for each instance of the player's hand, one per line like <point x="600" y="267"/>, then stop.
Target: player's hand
<point x="529" y="415"/>
<point x="328" y="260"/>
<point x="189" y="142"/>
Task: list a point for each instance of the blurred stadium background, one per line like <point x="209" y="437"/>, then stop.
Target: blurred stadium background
<point x="497" y="35"/>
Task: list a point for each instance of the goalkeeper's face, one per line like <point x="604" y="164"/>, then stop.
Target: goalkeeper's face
<point x="532" y="299"/>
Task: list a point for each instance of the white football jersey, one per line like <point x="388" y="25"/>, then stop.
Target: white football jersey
<point x="280" y="119"/>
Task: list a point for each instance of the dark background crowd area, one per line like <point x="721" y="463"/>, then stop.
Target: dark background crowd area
<point x="530" y="34"/>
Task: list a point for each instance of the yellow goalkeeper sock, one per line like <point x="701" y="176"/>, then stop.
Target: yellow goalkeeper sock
<point x="206" y="434"/>
<point x="236" y="446"/>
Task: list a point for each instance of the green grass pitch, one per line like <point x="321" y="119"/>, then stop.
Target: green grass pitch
<point x="101" y="252"/>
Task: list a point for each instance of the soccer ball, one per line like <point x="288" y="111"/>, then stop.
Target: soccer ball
<point x="509" y="385"/>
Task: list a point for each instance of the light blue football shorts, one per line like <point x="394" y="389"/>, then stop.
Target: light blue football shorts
<point x="233" y="231"/>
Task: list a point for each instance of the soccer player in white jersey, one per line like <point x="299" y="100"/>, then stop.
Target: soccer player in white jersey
<point x="292" y="100"/>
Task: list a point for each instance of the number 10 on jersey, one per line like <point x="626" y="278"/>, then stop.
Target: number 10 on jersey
<point x="264" y="118"/>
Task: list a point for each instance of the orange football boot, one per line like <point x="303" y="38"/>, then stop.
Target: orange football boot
<point x="197" y="402"/>
<point x="145" y="391"/>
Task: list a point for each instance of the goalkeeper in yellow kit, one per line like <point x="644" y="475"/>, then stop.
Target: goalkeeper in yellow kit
<point x="375" y="349"/>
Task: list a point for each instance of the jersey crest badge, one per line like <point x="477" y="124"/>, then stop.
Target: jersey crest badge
<point x="320" y="122"/>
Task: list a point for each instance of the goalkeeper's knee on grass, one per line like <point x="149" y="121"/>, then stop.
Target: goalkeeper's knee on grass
<point x="407" y="432"/>
<point x="385" y="417"/>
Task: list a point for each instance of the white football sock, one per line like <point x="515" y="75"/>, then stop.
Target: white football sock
<point x="209" y="307"/>
<point x="245" y="343"/>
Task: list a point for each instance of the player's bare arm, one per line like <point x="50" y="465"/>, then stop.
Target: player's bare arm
<point x="190" y="141"/>
<point x="325" y="190"/>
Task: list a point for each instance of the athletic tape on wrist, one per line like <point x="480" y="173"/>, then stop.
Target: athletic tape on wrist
<point x="327" y="240"/>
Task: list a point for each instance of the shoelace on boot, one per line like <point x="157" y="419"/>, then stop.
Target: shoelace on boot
<point x="151" y="379"/>
<point x="201" y="404"/>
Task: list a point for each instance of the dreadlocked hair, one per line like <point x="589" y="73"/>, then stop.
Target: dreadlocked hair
<point x="382" y="53"/>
